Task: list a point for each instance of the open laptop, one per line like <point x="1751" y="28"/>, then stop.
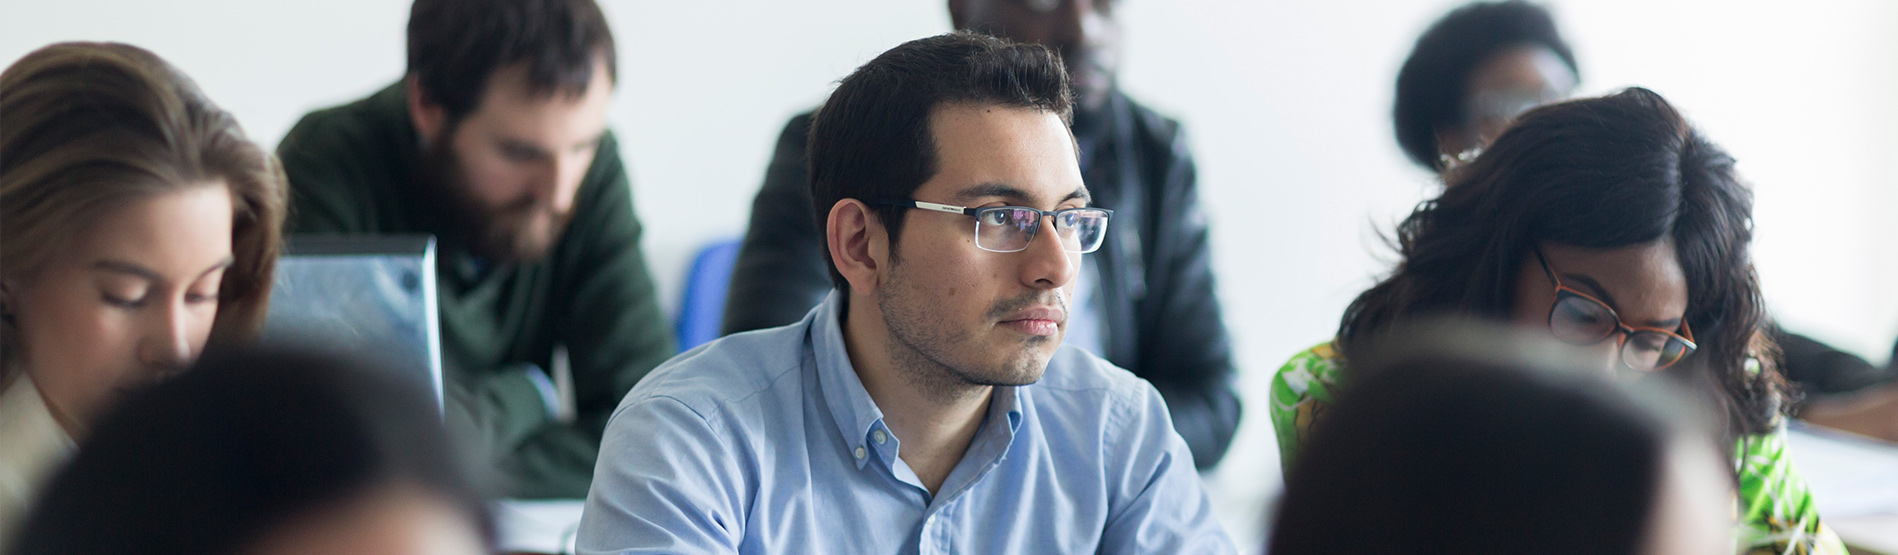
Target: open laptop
<point x="366" y="296"/>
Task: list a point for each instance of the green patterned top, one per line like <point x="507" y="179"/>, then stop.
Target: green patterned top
<point x="1776" y="508"/>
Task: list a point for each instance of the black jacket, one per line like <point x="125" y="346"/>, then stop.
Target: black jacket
<point x="1159" y="312"/>
<point x="1822" y="371"/>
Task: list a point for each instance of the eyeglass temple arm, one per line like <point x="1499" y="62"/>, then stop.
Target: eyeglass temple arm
<point x="950" y="208"/>
<point x="931" y="206"/>
<point x="1544" y="262"/>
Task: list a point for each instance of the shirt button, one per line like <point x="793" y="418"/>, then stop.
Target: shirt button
<point x="860" y="452"/>
<point x="881" y="437"/>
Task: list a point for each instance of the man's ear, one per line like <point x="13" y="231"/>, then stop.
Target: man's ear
<point x="859" y="245"/>
<point x="428" y="116"/>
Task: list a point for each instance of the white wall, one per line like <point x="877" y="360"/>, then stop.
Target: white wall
<point x="1806" y="97"/>
<point x="1287" y="102"/>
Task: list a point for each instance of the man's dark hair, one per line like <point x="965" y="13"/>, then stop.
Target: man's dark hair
<point x="1435" y="79"/>
<point x="456" y="45"/>
<point x="871" y="140"/>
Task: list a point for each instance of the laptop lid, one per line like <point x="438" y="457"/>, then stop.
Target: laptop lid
<point x="363" y="295"/>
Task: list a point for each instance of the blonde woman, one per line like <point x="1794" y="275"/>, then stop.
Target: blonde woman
<point x="137" y="226"/>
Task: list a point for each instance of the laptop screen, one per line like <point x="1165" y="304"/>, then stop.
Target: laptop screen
<point x="366" y="296"/>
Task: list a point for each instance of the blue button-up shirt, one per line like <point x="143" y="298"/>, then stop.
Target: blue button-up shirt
<point x="767" y="442"/>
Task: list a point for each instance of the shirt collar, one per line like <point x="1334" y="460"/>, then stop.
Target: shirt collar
<point x="851" y="408"/>
<point x="1008" y="401"/>
<point x="856" y="414"/>
<point x="1003" y="421"/>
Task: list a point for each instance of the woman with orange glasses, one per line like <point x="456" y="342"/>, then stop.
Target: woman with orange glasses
<point x="1608" y="223"/>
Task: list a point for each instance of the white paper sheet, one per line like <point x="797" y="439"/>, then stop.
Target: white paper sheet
<point x="537" y="526"/>
<point x="1851" y="476"/>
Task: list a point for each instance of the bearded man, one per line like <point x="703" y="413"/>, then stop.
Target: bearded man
<point x="496" y="143"/>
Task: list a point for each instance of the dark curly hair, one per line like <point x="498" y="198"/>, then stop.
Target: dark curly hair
<point x="1620" y="170"/>
<point x="1435" y="79"/>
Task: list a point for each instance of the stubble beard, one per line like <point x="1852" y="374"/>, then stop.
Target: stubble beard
<point x="926" y="348"/>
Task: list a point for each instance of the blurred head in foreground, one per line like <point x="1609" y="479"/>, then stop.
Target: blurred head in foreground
<point x="1476" y="440"/>
<point x="265" y="452"/>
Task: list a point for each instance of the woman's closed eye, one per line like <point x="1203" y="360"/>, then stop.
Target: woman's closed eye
<point x="206" y="289"/>
<point x="197" y="297"/>
<point x="1648" y="341"/>
<point x="124" y="301"/>
<point x="1580" y="312"/>
<point x="125" y="293"/>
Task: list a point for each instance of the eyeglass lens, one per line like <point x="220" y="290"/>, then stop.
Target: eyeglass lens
<point x="1011" y="229"/>
<point x="1582" y="321"/>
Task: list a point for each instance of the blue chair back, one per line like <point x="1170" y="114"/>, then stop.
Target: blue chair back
<point x="702" y="308"/>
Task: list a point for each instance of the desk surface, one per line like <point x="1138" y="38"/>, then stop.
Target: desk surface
<point x="1854" y="481"/>
<point x="1869" y="535"/>
<point x="536" y="526"/>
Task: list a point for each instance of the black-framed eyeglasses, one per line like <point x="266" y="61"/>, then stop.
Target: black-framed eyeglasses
<point x="1013" y="228"/>
<point x="1578" y="318"/>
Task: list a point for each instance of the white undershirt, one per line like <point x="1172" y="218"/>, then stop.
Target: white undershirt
<point x="35" y="446"/>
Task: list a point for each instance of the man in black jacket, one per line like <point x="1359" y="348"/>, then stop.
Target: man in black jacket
<point x="1147" y="301"/>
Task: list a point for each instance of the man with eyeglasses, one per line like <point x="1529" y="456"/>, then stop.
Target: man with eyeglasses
<point x="927" y="405"/>
<point x="1145" y="302"/>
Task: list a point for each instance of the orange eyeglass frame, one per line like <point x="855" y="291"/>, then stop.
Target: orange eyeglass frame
<point x="1621" y="329"/>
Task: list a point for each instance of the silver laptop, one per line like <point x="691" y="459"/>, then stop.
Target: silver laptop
<point x="367" y="296"/>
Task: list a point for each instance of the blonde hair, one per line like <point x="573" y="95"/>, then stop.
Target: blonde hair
<point x="93" y="126"/>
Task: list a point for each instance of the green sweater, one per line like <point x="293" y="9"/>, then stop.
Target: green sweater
<point x="350" y="169"/>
